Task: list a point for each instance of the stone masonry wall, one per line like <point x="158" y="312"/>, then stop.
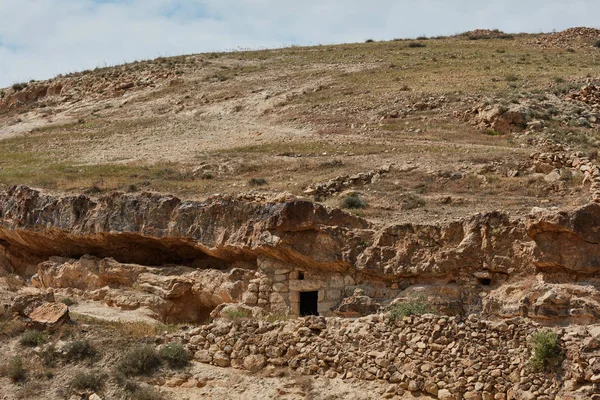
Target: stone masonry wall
<point x="440" y="357"/>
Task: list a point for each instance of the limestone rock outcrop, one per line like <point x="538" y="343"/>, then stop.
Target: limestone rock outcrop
<point x="182" y="259"/>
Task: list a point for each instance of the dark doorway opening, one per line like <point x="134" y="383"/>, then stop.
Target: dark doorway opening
<point x="309" y="303"/>
<point x="485" y="281"/>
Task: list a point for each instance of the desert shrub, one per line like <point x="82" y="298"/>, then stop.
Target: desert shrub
<point x="416" y="44"/>
<point x="410" y="201"/>
<point x="331" y="164"/>
<point x="257" y="182"/>
<point x="175" y="355"/>
<point x="597" y="43"/>
<point x="236" y="314"/>
<point x="93" y="380"/>
<point x="79" y="350"/>
<point x="492" y="132"/>
<point x="545" y="349"/>
<point x="511" y="78"/>
<point x="32" y="338"/>
<point x="19" y="86"/>
<point x="67" y="301"/>
<point x="141" y="360"/>
<point x="353" y="202"/>
<point x="49" y="355"/>
<point x="15" y="370"/>
<point x="369" y="41"/>
<point x="412" y="306"/>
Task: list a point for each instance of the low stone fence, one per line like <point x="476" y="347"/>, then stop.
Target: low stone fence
<point x="444" y="357"/>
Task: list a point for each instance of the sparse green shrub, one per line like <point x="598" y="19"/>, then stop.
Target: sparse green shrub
<point x="67" y="301"/>
<point x="236" y="314"/>
<point x="141" y="360"/>
<point x="15" y="370"/>
<point x="49" y="355"/>
<point x="331" y="164"/>
<point x="410" y="201"/>
<point x="2" y="94"/>
<point x="412" y="306"/>
<point x="511" y="78"/>
<point x="257" y="182"/>
<point x="93" y="380"/>
<point x="492" y="132"/>
<point x="32" y="338"/>
<point x="416" y="44"/>
<point x="559" y="79"/>
<point x="17" y="87"/>
<point x="353" y="202"/>
<point x="175" y="355"/>
<point x="79" y="350"/>
<point x="545" y="349"/>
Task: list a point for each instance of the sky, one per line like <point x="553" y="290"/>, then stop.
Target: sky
<point x="40" y="39"/>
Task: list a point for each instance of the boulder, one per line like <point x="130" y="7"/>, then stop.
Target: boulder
<point x="357" y="305"/>
<point x="49" y="315"/>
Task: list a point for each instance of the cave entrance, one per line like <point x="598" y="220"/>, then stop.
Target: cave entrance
<point x="485" y="281"/>
<point x="309" y="303"/>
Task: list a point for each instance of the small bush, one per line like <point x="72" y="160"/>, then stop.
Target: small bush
<point x="353" y="202"/>
<point x="559" y="79"/>
<point x="33" y="338"/>
<point x="15" y="370"/>
<point x="236" y="314"/>
<point x="93" y="380"/>
<point x="545" y="349"/>
<point x="142" y="360"/>
<point x="416" y="44"/>
<point x="410" y="201"/>
<point x="67" y="301"/>
<point x="17" y="87"/>
<point x="175" y="355"/>
<point x="257" y="182"/>
<point x="49" y="355"/>
<point x="369" y="41"/>
<point x="331" y="164"/>
<point x="79" y="350"/>
<point x="511" y="78"/>
<point x="492" y="132"/>
<point x="413" y="306"/>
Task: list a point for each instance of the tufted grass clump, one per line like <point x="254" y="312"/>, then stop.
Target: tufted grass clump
<point x="15" y="370"/>
<point x="141" y="360"/>
<point x="32" y="338"/>
<point x="257" y="182"/>
<point x="412" y="306"/>
<point x="174" y="355"/>
<point x="353" y="202"/>
<point x="545" y="349"/>
<point x="80" y="350"/>
<point x="93" y="380"/>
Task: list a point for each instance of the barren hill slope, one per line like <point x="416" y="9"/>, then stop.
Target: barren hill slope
<point x="298" y="117"/>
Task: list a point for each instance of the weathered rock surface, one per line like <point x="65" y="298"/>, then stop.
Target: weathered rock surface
<point x="49" y="315"/>
<point x="182" y="259"/>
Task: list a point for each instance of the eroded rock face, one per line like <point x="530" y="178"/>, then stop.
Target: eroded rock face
<point x="183" y="258"/>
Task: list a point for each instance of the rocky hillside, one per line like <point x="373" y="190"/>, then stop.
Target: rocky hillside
<point x="172" y="227"/>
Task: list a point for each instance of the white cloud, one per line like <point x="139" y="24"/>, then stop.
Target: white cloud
<point x="41" y="38"/>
